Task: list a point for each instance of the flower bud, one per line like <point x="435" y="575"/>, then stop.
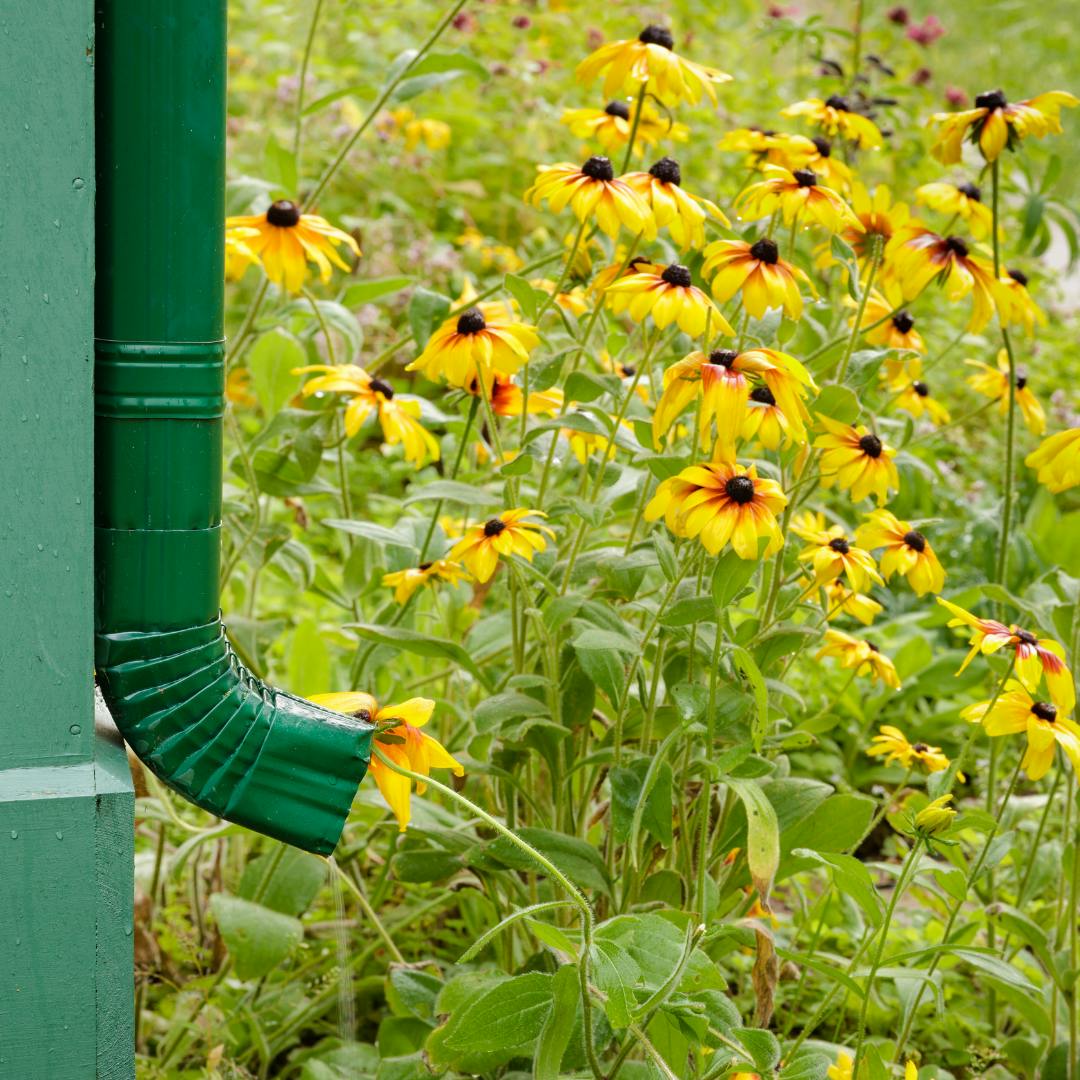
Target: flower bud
<point x="934" y="818"/>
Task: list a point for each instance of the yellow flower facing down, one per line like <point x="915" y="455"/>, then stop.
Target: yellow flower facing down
<point x="286" y="240"/>
<point x="757" y="271"/>
<point x="877" y="215"/>
<point x="575" y="301"/>
<point x="669" y="295"/>
<point x="757" y="142"/>
<point x="610" y="126"/>
<point x="1015" y="305"/>
<point x="896" y="329"/>
<point x="995" y="385"/>
<point x="798" y="196"/>
<point x="906" y="551"/>
<point x="401" y="740"/>
<point x="721" y="503"/>
<point x="994" y="124"/>
<point x="835" y="117"/>
<point x="650" y="59"/>
<point x="238" y="256"/>
<point x="672" y="206"/>
<point x="891" y="744"/>
<point x="831" y="554"/>
<point x="958" y="200"/>
<point x="406" y="582"/>
<point x="1047" y="726"/>
<point x="508" y="399"/>
<point x="508" y="533"/>
<point x="398" y="417"/>
<point x="1057" y="460"/>
<point x="862" y="656"/>
<point x="840" y="600"/>
<point x="935" y="818"/>
<point x="915" y="399"/>
<point x="593" y="192"/>
<point x="855" y="459"/>
<point x="814" y="153"/>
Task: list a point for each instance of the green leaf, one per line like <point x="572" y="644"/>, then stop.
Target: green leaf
<point x="506" y="1019"/>
<point x="279" y="166"/>
<point x="742" y="659"/>
<point x="762" y="1046"/>
<point x="411" y="992"/>
<point x="270" y="362"/>
<point x="689" y="610"/>
<point x="616" y="974"/>
<point x="425" y="865"/>
<point x="527" y="297"/>
<point x="604" y="668"/>
<point x="627" y="792"/>
<point x="578" y="860"/>
<point x="838" y="403"/>
<point x="452" y="491"/>
<point x="295" y="882"/>
<point x="257" y="938"/>
<point x="366" y="292"/>
<point x="762" y="834"/>
<point x="852" y="878"/>
<point x="559" y="1025"/>
<point x="426" y="308"/>
<point x="584" y="386"/>
<point x="309" y="660"/>
<point x="370" y="531"/>
<point x="730" y="576"/>
<point x="422" y="645"/>
<point x="492" y="713"/>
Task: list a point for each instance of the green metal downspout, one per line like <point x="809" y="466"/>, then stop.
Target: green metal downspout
<point x="185" y="704"/>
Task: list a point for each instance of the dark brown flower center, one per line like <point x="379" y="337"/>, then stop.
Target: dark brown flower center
<point x="915" y="540"/>
<point x="1021" y="379"/>
<point x="471" y="321"/>
<point x="838" y="102"/>
<point x="740" y="489"/>
<point x="1018" y="276"/>
<point x="425" y="566"/>
<point x="903" y="321"/>
<point x="494" y="527"/>
<point x="1027" y="637"/>
<point x="657" y="35"/>
<point x="1044" y="710"/>
<point x="955" y="246"/>
<point x="283" y="213"/>
<point x="870" y="445"/>
<point x="723" y="357"/>
<point x="824" y="147"/>
<point x="598" y="167"/>
<point x="766" y="251"/>
<point x="970" y="190"/>
<point x="628" y="370"/>
<point x="992" y="99"/>
<point x="839" y="544"/>
<point x="677" y="274"/>
<point x="618" y="108"/>
<point x="667" y="171"/>
<point x="763" y="395"/>
<point x="805" y="177"/>
<point x="921" y="389"/>
<point x="362" y="714"/>
<point x="385" y="389"/>
<point x="872" y="647"/>
<point x="920" y="747"/>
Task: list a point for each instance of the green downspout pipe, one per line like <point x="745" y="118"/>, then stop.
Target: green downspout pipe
<point x="185" y="704"/>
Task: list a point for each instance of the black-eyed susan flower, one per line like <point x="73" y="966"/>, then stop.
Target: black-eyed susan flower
<point x="406" y="582"/>
<point x="891" y="744"/>
<point x="593" y="192"/>
<point x="398" y="416"/>
<point x="962" y="200"/>
<point x="919" y="256"/>
<point x="627" y="373"/>
<point x="672" y="206"/>
<point x="622" y="268"/>
<point x="994" y="384"/>
<point x="238" y="389"/>
<point x="401" y="739"/>
<point x="1015" y="304"/>
<point x="815" y="153"/>
<point x="721" y="503"/>
<point x="835" y="116"/>
<point x="1046" y="723"/>
<point x="840" y="600"/>
<point x="897" y="371"/>
<point x="574" y="300"/>
<point x="862" y="656"/>
<point x="508" y="533"/>
<point x="753" y="141"/>
<point x="798" y="196"/>
<point x="915" y="398"/>
<point x="855" y="459"/>
<point x="286" y="240"/>
<point x="611" y="125"/>
<point x="650" y="62"/>
<point x="238" y="256"/>
<point x="994" y="124"/>
<point x="907" y="551"/>
<point x="895" y="329"/>
<point x="765" y="422"/>
<point x="669" y="295"/>
<point x="877" y="216"/>
<point x="434" y="134"/>
<point x="765" y="280"/>
<point x="508" y="399"/>
<point x="1057" y="460"/>
<point x="830" y="554"/>
<point x="1036" y="658"/>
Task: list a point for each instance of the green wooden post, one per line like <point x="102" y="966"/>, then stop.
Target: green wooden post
<point x="66" y="803"/>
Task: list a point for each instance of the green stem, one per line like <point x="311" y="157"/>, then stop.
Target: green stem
<point x="864" y="295"/>
<point x="567" y="267"/>
<point x="638" y="106"/>
<point x="370" y="913"/>
<point x="298" y="131"/>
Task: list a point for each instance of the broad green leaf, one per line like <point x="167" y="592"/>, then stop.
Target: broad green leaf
<point x="527" y="297"/>
<point x="852" y="878"/>
<point x="761" y="1045"/>
<point x="309" y="660"/>
<point x="616" y="974"/>
<point x="257" y="938"/>
<point x="370" y="531"/>
<point x="505" y="1019"/>
<point x="452" y="491"/>
<point x="270" y="362"/>
<point x="411" y="992"/>
<point x="412" y="641"/>
<point x="559" y="1025"/>
<point x="578" y="860"/>
<point x="493" y="712"/>
<point x="426" y="308"/>
<point x="742" y="659"/>
<point x="730" y="576"/>
<point x="762" y="834"/>
<point x="294" y="883"/>
<point x="367" y="292"/>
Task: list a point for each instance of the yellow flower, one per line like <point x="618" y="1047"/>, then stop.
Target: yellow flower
<point x="994" y="124"/>
<point x="721" y="503"/>
<point x="799" y="197"/>
<point x="573" y="301"/>
<point x="878" y="216"/>
<point x="286" y="239"/>
<point x="670" y="296"/>
<point x="800" y="152"/>
<point x="897" y="329"/>
<point x="1057" y="460"/>
<point x="766" y="280"/>
<point x="238" y="256"/>
<point x="1015" y="304"/>
<point x="842" y="1069"/>
<point x="626" y="372"/>
<point x="401" y="740"/>
<point x="491" y="254"/>
<point x="1036" y="657"/>
<point x="892" y="744"/>
<point x="835" y="117"/>
<point x="435" y="134"/>
<point x="915" y="399"/>
<point x="958" y="200"/>
<point x="238" y="389"/>
<point x="1045" y="722"/>
<point x="754" y="141"/>
<point x="830" y="554"/>
<point x="766" y="422"/>
<point x="907" y="551"/>
<point x="398" y="417"/>
<point x="995" y="385"/>
<point x="937" y="816"/>
<point x="584" y="444"/>
<point x="855" y="458"/>
<point x="682" y="213"/>
<point x="650" y="59"/>
<point x="507" y="398"/>
<point x="593" y="191"/>
<point x="611" y="125"/>
<point x="406" y="582"/>
<point x="509" y="533"/>
<point x="840" y="600"/>
<point x="862" y="656"/>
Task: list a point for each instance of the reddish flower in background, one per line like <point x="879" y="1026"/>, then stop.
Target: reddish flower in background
<point x="955" y="96"/>
<point x="898" y="15"/>
<point x="926" y="32"/>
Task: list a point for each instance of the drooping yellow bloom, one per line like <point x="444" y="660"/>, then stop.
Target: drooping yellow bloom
<point x="670" y="296"/>
<point x="650" y="59"/>
<point x="935" y="818"/>
<point x="673" y="207"/>
<point x="994" y="124"/>
<point x="756" y="142"/>
<point x="508" y="533"/>
<point x="721" y="503"/>
<point x="286" y="239"/>
<point x="840" y="600"/>
<point x="1035" y="658"/>
<point x="575" y="301"/>
<point x="398" y="417"/>
<point x="862" y="656"/>
<point x="891" y="744"/>
<point x="1015" y="304"/>
<point x="406" y="582"/>
<point x="593" y="192"/>
<point x="830" y="554"/>
<point x="798" y="196"/>
<point x="855" y="458"/>
<point x="401" y="740"/>
<point x="995" y="385"/>
<point x="958" y="200"/>
<point x="765" y="421"/>
<point x="1046" y="723"/>
<point x="238" y="389"/>
<point x="1057" y="460"/>
<point x="815" y="153"/>
<point x="508" y="399"/>
<point x="611" y="125"/>
<point x="915" y="399"/>
<point x="766" y="280"/>
<point x="835" y="117"/>
<point x="897" y="329"/>
<point x="878" y="217"/>
<point x="238" y="256"/>
<point x="907" y="551"/>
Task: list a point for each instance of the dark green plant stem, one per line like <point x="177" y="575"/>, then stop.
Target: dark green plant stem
<point x="876" y="252"/>
<point x="298" y="130"/>
<point x="639" y="104"/>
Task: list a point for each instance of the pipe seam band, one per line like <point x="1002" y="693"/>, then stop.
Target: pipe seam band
<point x="175" y="380"/>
